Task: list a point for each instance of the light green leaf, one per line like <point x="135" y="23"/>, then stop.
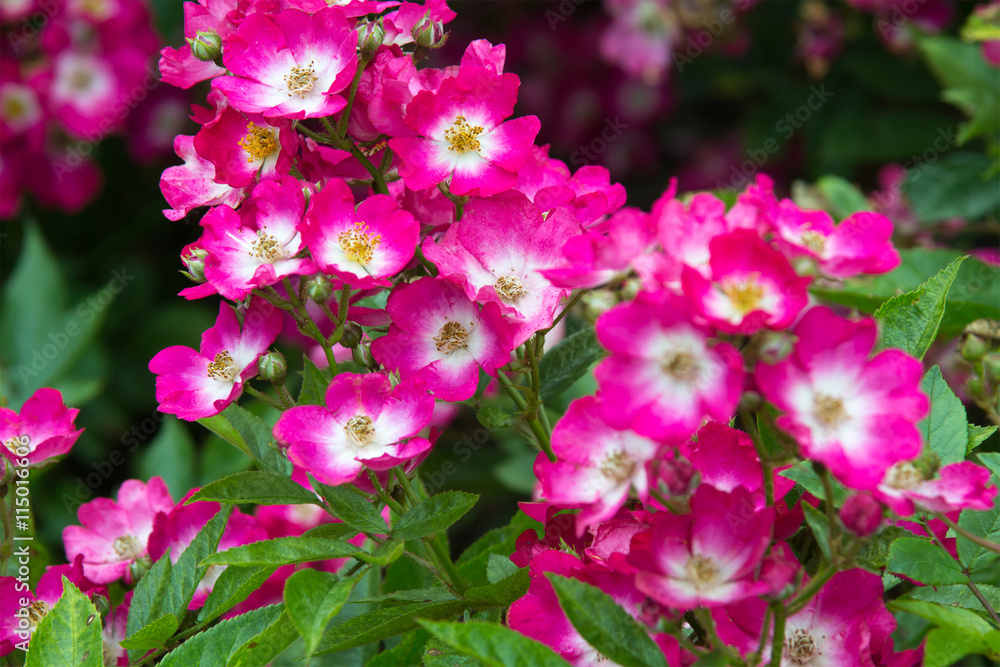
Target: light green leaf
<point x="256" y="433"/>
<point x="985" y="524"/>
<point x="70" y="634"/>
<point x="473" y="562"/>
<point x="495" y="645"/>
<point x="312" y="599"/>
<point x="958" y="595"/>
<point x="493" y="417"/>
<point x="382" y="623"/>
<point x="233" y="586"/>
<point x="820" y="527"/>
<point x="254" y="486"/>
<point x="352" y="509"/>
<point x="433" y="515"/>
<point x="503" y="592"/>
<point x="978" y="435"/>
<point x="924" y="561"/>
<point x="267" y="644"/>
<point x="215" y="646"/>
<point x="843" y="196"/>
<point x="945" y="429"/>
<point x="284" y="551"/>
<point x="314" y="384"/>
<point x="803" y="474"/>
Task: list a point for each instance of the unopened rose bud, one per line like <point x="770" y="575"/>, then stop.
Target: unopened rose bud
<point x="206" y="45"/>
<point x="273" y="367"/>
<point x="370" y="38"/>
<point x="139" y="567"/>
<point x="428" y="33"/>
<point x="991" y="367"/>
<point x="195" y="263"/>
<point x="862" y="514"/>
<point x="352" y="335"/>
<point x="676" y="474"/>
<point x="974" y="348"/>
<point x="318" y="288"/>
<point x="102" y="604"/>
<point x="362" y="356"/>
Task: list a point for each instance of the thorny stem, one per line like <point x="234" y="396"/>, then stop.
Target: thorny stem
<point x="309" y="327"/>
<point x="345" y="118"/>
<point x="537" y="429"/>
<point x="262" y="397"/>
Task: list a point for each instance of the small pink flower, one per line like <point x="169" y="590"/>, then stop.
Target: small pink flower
<point x="366" y="423"/>
<point x="42" y="430"/>
<point x="177" y="528"/>
<point x="957" y="486"/>
<point x="862" y="514"/>
<point x="441" y="336"/>
<point x="710" y="557"/>
<point x="362" y="246"/>
<point x="245" y="146"/>
<point x="663" y="377"/>
<point x="114" y="535"/>
<point x="597" y="465"/>
<point x="752" y="286"/>
<point x="242" y="257"/>
<point x="193" y="384"/>
<point x="641" y="38"/>
<point x="589" y="193"/>
<point x="854" y="414"/>
<point x="192" y="184"/>
<point x="291" y="64"/>
<point x="463" y="138"/>
<point x="497" y="251"/>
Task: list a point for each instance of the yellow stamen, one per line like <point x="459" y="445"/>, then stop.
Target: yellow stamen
<point x="744" y="295"/>
<point x="462" y="137"/>
<point x="509" y="288"/>
<point x="300" y="80"/>
<point x="701" y="570"/>
<point x="617" y="466"/>
<point x="682" y="366"/>
<point x="222" y="368"/>
<point x="451" y="337"/>
<point x="361" y="430"/>
<point x="359" y="244"/>
<point x="266" y="247"/>
<point x="829" y="410"/>
<point x="259" y="142"/>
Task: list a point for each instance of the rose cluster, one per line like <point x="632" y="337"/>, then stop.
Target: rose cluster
<point x="73" y="72"/>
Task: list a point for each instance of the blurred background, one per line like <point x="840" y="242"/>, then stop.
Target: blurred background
<point x="883" y="94"/>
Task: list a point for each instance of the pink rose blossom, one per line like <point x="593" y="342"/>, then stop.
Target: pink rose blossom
<point x="42" y="430"/>
<point x="192" y="184"/>
<point x="956" y="486"/>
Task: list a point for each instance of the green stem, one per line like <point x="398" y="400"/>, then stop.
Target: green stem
<point x="572" y="302"/>
<point x="284" y="396"/>
<point x="345" y="118"/>
<point x="778" y="642"/>
<point x="544" y="441"/>
<point x="310" y="328"/>
<point x="314" y="135"/>
<point x="831" y="511"/>
<point x="968" y="580"/>
<point x="427" y="264"/>
<point x="972" y="537"/>
<point x="342" y="308"/>
<point x="262" y="397"/>
<point x="802" y="599"/>
<point x="751" y="427"/>
<point x="379" y="180"/>
<point x="704" y="617"/>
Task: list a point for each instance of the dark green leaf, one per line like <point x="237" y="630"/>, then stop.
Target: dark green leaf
<point x="267" y="644"/>
<point x="154" y="635"/>
<point x="946" y="617"/>
<point x="221" y="427"/>
<point x="605" y="625"/>
<point x="439" y="654"/>
<point x="820" y="527"/>
<point x="70" y="634"/>
<point x="473" y="562"/>
<point x="803" y="474"/>
<point x="958" y="595"/>
<point x="978" y="435"/>
<point x="255" y="486"/>
<point x="188" y="571"/>
<point x="924" y="561"/>
<point x="215" y="646"/>
<point x="232" y="587"/>
<point x="433" y="515"/>
<point x="312" y="599"/>
<point x="499" y="567"/>
<point x="314" y="384"/>
<point x="259" y="440"/>
<point x="284" y="551"/>
<point x="910" y="321"/>
<point x="875" y="552"/>
<point x="493" y="417"/>
<point x="945" y="428"/>
<point x="503" y="592"/>
<point x="407" y="653"/>
<point x="352" y="509"/>
<point x="437" y="594"/>
<point x="148" y="599"/>
<point x="567" y="361"/>
<point x="955" y="186"/>
<point x="983" y="524"/>
<point x="382" y="623"/>
<point x="495" y="645"/>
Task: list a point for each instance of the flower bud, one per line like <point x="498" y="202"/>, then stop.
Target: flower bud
<point x="862" y="514"/>
<point x="319" y="288"/>
<point x="273" y="367"/>
<point x="370" y="38"/>
<point x="139" y="567"/>
<point x="991" y="367"/>
<point x="195" y="263"/>
<point x="102" y="604"/>
<point x="206" y="45"/>
<point x="428" y="33"/>
<point x="352" y="335"/>
<point x="676" y="473"/>
<point x="974" y="348"/>
<point x="362" y="356"/>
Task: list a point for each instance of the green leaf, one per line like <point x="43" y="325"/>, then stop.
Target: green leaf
<point x="984" y="524"/>
<point x="910" y="321"/>
<point x="314" y="384"/>
<point x="820" y="527"/>
<point x="503" y="592"/>
<point x="875" y="552"/>
<point x="493" y="417"/>
<point x="232" y="587"/>
<point x="70" y="634"/>
<point x="154" y="635"/>
<point x="473" y="562"/>
<point x="266" y="645"/>
<point x="958" y="595"/>
<point x="970" y="83"/>
<point x="803" y="474"/>
<point x="605" y="625"/>
<point x="495" y="645"/>
<point x="313" y="598"/>
<point x="436" y="594"/>
<point x="439" y="654"/>
<point x="352" y="509"/>
<point x="259" y="440"/>
<point x="945" y="647"/>
<point x="992" y="461"/>
<point x="148" y="599"/>
<point x="953" y="187"/>
<point x="567" y="361"/>
<point x="409" y="651"/>
<point x="978" y="435"/>
<point x="284" y="551"/>
<point x="382" y="623"/>
<point x="944" y="429"/>
<point x="433" y="515"/>
<point x="215" y="646"/>
<point x="171" y="455"/>
<point x="254" y="486"/>
<point x="924" y="561"/>
<point x="499" y="567"/>
<point x="947" y="617"/>
<point x="843" y="196"/>
<point x="221" y="427"/>
<point x="188" y="571"/>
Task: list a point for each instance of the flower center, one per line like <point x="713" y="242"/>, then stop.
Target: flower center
<point x="359" y="244"/>
<point x="14" y="107"/>
<point x="903" y="475"/>
<point x="745" y="294"/>
<point x="814" y="241"/>
<point x="300" y="80"/>
<point x="36" y="611"/>
<point x="617" y="466"/>
<point x="127" y="547"/>
<point x="701" y="570"/>
<point x="222" y="368"/>
<point x="509" y="288"/>
<point x="829" y="410"/>
<point x="266" y="247"/>
<point x="800" y="647"/>
<point x="681" y="366"/>
<point x="81" y="79"/>
<point x="15" y="443"/>
<point x="361" y="430"/>
<point x="259" y="142"/>
<point x="462" y="137"/>
<point x="451" y="337"/>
